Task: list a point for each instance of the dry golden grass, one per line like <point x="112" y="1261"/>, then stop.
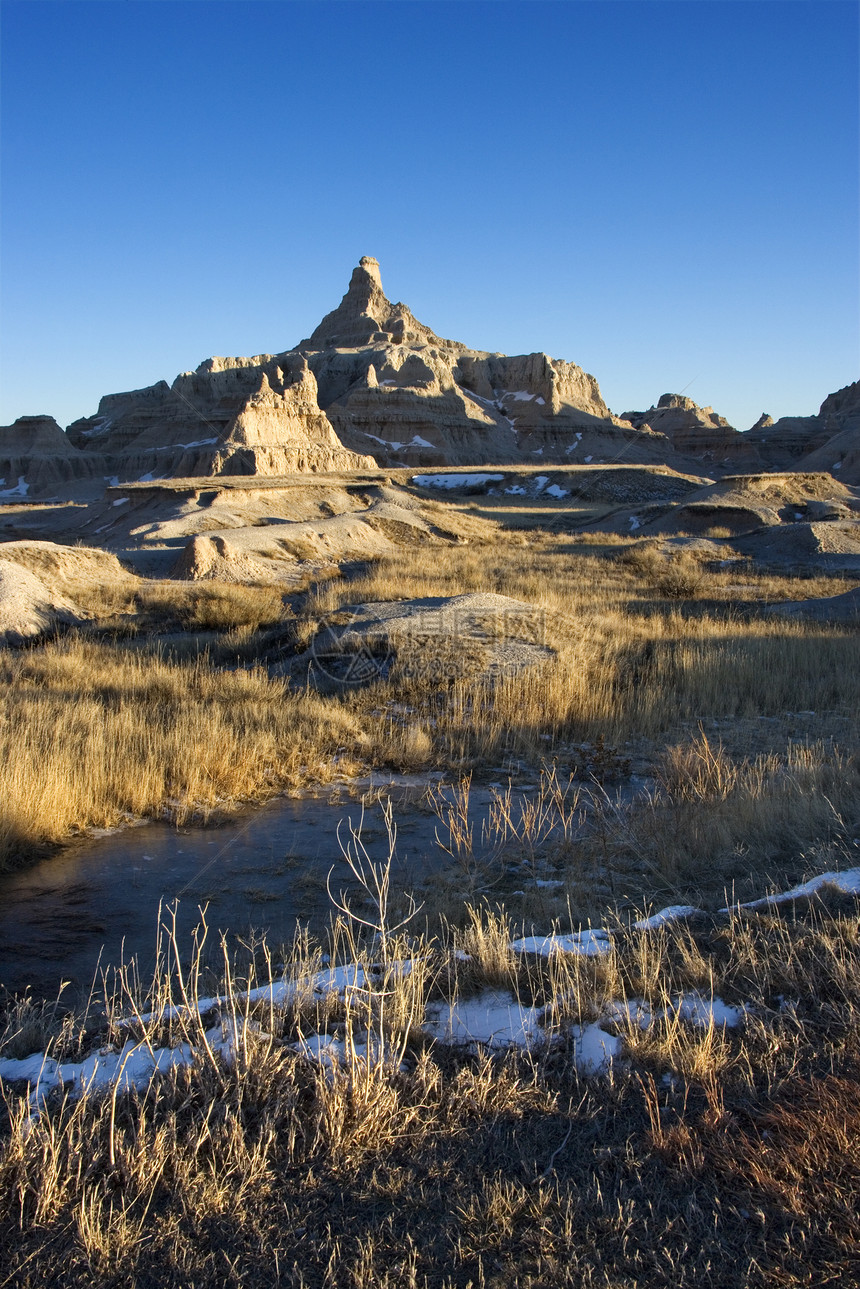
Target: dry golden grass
<point x="94" y="733"/>
<point x="91" y="735"/>
<point x="708" y="1157"/>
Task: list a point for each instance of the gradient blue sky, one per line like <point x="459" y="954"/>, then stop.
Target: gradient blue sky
<point x="664" y="193"/>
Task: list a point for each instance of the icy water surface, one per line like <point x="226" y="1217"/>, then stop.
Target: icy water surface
<point x="100" y="898"/>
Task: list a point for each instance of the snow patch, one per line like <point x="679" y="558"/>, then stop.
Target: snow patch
<point x="698" y="1009"/>
<point x="197" y="443"/>
<point x="672" y="913"/>
<point x="493" y="1017"/>
<point x="20" y="491"/>
<point x="555" y="491"/>
<point x="848" y="882"/>
<point x="454" y="480"/>
<point x="593" y="1049"/>
<point x="590" y="943"/>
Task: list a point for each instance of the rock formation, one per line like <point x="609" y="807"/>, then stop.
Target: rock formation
<point x="230" y="416"/>
<point x="27" y="607"/>
<point x="829" y="441"/>
<point x="372" y="386"/>
<point x="37" y="458"/>
<point x="697" y="432"/>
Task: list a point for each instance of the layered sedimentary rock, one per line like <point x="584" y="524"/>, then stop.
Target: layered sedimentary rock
<point x="230" y="416"/>
<point x="371" y="385"/>
<point x="697" y="432"/>
<point x="374" y="386"/>
<point x="37" y="459"/>
<point x="392" y="387"/>
<point x="829" y="441"/>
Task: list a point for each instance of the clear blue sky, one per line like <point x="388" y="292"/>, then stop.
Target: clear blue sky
<point x="664" y="193"/>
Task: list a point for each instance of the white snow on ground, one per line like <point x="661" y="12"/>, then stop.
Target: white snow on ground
<point x="590" y="943"/>
<point x="694" y="1007"/>
<point x="133" y="1067"/>
<point x="848" y="882"/>
<point x="100" y="427"/>
<point x="587" y="459"/>
<point x="555" y="491"/>
<point x="542" y="480"/>
<point x="454" y="480"/>
<point x="331" y="980"/>
<point x="673" y="913"/>
<point x="594" y="1049"/>
<point x="515" y="491"/>
<point x="703" y="1011"/>
<point x="541" y="401"/>
<point x="20" y="491"/>
<point x="415" y="442"/>
<point x="121" y="502"/>
<point x="634" y="519"/>
<point x="521" y="395"/>
<point x="493" y="1017"/>
<point x="323" y="1048"/>
<point x="198" y="443"/>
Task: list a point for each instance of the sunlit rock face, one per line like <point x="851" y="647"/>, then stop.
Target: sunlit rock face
<point x="374" y="386"/>
<point x="698" y="433"/>
<point x="371" y="385"/>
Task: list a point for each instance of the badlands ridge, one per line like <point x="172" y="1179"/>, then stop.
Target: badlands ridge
<point x="263" y="469"/>
<point x="371" y="387"/>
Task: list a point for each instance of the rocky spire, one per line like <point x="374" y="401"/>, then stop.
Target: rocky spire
<point x="360" y="317"/>
<point x="365" y="316"/>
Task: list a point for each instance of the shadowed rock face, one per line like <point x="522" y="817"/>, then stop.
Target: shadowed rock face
<point x="37" y="459"/>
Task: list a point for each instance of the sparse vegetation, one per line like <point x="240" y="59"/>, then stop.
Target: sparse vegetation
<point x="397" y="1160"/>
<point x="707" y="1156"/>
<point x="99" y="728"/>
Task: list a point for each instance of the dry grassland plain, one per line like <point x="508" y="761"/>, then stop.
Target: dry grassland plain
<point x="704" y="1156"/>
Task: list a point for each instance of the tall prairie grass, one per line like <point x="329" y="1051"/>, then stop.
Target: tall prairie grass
<point x="91" y="735"/>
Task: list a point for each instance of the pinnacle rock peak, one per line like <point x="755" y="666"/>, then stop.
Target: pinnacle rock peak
<point x="371" y="268"/>
<point x="365" y="316"/>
